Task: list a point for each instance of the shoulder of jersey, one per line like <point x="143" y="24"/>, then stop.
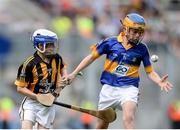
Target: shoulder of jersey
<point x="28" y="60"/>
<point x="112" y="38"/>
<point x="26" y="63"/>
<point x="142" y="47"/>
<point x="57" y="56"/>
<point x="109" y="40"/>
<point x="143" y="44"/>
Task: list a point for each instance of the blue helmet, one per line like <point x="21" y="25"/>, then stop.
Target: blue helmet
<point x="136" y="24"/>
<point x="43" y="36"/>
<point x="134" y="20"/>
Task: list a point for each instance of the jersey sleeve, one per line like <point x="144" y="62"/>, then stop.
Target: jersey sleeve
<point x="23" y="76"/>
<point x="100" y="48"/>
<point x="63" y="65"/>
<point x="146" y="61"/>
<point x="60" y="61"/>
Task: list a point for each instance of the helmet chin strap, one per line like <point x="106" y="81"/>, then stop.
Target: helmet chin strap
<point x="42" y="51"/>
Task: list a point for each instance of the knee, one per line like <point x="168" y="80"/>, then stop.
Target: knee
<point x="128" y="119"/>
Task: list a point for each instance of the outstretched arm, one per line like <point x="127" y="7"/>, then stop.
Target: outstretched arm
<point x="163" y="83"/>
<point x="84" y="63"/>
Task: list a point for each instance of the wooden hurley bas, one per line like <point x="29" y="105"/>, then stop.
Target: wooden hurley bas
<point x="108" y="115"/>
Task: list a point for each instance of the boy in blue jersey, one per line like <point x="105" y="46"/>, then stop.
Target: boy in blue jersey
<point x="120" y="78"/>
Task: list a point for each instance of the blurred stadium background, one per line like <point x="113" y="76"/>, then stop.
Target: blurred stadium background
<point x="79" y="24"/>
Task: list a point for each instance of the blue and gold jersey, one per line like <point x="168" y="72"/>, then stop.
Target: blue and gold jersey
<point x="122" y="61"/>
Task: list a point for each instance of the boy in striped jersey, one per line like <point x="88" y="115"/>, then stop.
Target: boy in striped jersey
<point x="120" y="78"/>
<point x="40" y="73"/>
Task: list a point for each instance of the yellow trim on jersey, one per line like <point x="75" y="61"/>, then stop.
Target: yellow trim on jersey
<point x="58" y="75"/>
<point x="120" y="39"/>
<point x="53" y="70"/>
<point x="21" y="83"/>
<point x="133" y="71"/>
<point x="94" y="52"/>
<point x="44" y="70"/>
<point x="110" y="66"/>
<point x="26" y="62"/>
<point x="148" y="69"/>
<point x="35" y="79"/>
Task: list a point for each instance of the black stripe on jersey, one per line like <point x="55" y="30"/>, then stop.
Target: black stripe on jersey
<point x="61" y="62"/>
<point x="33" y="64"/>
<point x="39" y="71"/>
<point x="40" y="77"/>
<point x="19" y="74"/>
<point x="37" y="77"/>
<point x="57" y="64"/>
<point x="49" y="70"/>
<point x="26" y="63"/>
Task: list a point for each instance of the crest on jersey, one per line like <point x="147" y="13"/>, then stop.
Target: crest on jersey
<point x="134" y="59"/>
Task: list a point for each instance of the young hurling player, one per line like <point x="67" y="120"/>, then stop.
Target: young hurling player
<point x="40" y="73"/>
<point x="120" y="78"/>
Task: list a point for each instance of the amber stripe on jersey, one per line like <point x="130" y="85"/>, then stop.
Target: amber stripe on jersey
<point x="54" y="70"/>
<point x="35" y="79"/>
<point x="46" y="73"/>
<point x="37" y="72"/>
<point x="110" y="66"/>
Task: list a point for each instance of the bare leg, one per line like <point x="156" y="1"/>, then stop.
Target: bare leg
<point x="129" y="109"/>
<point x="102" y="124"/>
<point x="27" y="124"/>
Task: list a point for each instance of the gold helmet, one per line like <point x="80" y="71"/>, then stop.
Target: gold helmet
<point x="134" y="20"/>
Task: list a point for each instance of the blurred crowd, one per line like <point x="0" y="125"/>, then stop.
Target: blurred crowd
<point x="88" y="19"/>
<point x="98" y="19"/>
<point x="8" y="113"/>
<point x="102" y="18"/>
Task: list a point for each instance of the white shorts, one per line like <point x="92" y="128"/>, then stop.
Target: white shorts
<point x="111" y="96"/>
<point x="34" y="111"/>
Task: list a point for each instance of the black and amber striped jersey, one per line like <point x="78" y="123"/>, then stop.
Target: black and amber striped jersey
<point x="39" y="76"/>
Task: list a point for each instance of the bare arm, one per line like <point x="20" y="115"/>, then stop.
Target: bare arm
<point x="163" y="83"/>
<point x="26" y="92"/>
<point x="84" y="63"/>
<point x="154" y="77"/>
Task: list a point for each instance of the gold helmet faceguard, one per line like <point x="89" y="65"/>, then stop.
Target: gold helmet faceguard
<point x="136" y="22"/>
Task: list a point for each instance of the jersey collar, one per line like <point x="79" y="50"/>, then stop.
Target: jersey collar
<point x="120" y="40"/>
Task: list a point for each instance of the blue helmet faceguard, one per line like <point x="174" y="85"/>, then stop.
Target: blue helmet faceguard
<point x="44" y="37"/>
